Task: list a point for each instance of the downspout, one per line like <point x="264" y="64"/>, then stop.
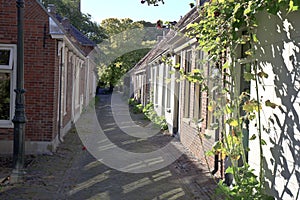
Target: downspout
<point x="216" y="160"/>
<point x="87" y="92"/>
<point x="60" y="95"/>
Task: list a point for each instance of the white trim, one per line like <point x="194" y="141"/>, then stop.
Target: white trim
<point x="12" y="70"/>
<point x="185" y="45"/>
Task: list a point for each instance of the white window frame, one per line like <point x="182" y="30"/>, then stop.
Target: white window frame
<point x="77" y="77"/>
<point x="10" y="68"/>
<point x="197" y="87"/>
<point x="188" y="56"/>
<point x="65" y="79"/>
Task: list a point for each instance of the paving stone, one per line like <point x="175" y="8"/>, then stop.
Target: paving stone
<point x="73" y="173"/>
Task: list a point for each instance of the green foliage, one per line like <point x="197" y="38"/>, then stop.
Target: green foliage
<point x="132" y="102"/>
<point x="153" y="2"/>
<point x="149" y="113"/>
<point x="81" y="21"/>
<point x="112" y="73"/>
<point x="125" y="46"/>
<point x="136" y="107"/>
<point x="225" y="25"/>
<point x="248" y="187"/>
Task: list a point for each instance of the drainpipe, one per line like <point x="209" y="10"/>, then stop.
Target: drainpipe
<point x="216" y="160"/>
<point x="60" y="95"/>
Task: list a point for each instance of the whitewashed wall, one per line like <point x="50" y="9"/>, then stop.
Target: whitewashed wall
<point x="279" y="55"/>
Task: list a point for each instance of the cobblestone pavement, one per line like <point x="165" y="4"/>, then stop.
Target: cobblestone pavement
<point x="73" y="173"/>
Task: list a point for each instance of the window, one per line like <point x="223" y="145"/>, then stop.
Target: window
<point x="187" y="84"/>
<point x="5" y="58"/>
<point x="64" y="80"/>
<point x="156" y="75"/>
<point x="77" y="81"/>
<point x="168" y="80"/>
<point x="7" y="84"/>
<point x="197" y="88"/>
<point x="244" y="66"/>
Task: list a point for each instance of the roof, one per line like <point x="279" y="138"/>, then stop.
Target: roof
<point x="78" y="35"/>
<point x="163" y="46"/>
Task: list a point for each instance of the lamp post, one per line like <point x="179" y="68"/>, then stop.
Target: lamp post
<point x="19" y="119"/>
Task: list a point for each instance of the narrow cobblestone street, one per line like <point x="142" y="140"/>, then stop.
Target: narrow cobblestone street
<point x="73" y="173"/>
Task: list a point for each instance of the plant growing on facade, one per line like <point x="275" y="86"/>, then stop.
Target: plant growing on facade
<point x="149" y="112"/>
<point x="225" y="26"/>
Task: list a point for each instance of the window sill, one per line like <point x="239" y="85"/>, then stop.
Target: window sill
<point x="6" y="124"/>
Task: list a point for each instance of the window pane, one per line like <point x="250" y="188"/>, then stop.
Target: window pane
<point x="4" y="96"/>
<point x="4" y="57"/>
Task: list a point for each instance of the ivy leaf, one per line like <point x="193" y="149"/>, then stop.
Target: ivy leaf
<point x="270" y="104"/>
<point x="248" y="9"/>
<point x="217" y="146"/>
<point x="207" y="136"/>
<point x="263" y="142"/>
<point x="225" y="66"/>
<point x="254" y="37"/>
<point x="253" y="137"/>
<point x="249" y="76"/>
<point x="236" y="8"/>
<point x="251" y="106"/>
<point x="229" y="170"/>
<point x="196" y="71"/>
<point x="214" y="126"/>
<point x="209" y="153"/>
<point x="233" y="122"/>
<point x="292" y="7"/>
<point x="228" y="109"/>
<point x="262" y="74"/>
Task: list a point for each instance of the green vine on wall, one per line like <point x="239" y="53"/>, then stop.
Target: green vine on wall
<point x="224" y="26"/>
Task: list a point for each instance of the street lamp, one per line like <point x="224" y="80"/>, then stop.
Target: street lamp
<point x="19" y="119"/>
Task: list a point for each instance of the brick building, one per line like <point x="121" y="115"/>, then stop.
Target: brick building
<point x="182" y="102"/>
<point x="58" y="75"/>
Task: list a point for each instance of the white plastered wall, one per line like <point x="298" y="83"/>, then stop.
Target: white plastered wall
<point x="279" y="55"/>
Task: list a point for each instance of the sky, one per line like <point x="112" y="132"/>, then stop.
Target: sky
<point x="172" y="10"/>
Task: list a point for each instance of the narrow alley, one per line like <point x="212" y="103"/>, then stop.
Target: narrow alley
<point x="73" y="173"/>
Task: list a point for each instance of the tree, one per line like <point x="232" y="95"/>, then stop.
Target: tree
<point x="81" y="21"/>
<point x="152" y="2"/>
<point x="128" y="42"/>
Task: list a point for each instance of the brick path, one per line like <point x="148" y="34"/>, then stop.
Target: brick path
<point x="73" y="173"/>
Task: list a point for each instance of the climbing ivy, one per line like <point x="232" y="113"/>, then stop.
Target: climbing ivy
<point x="223" y="27"/>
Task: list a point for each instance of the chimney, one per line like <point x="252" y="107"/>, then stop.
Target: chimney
<point x="52" y="9"/>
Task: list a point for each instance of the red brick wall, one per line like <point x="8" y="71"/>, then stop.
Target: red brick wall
<point x="189" y="134"/>
<point x="8" y="35"/>
<point x="40" y="67"/>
